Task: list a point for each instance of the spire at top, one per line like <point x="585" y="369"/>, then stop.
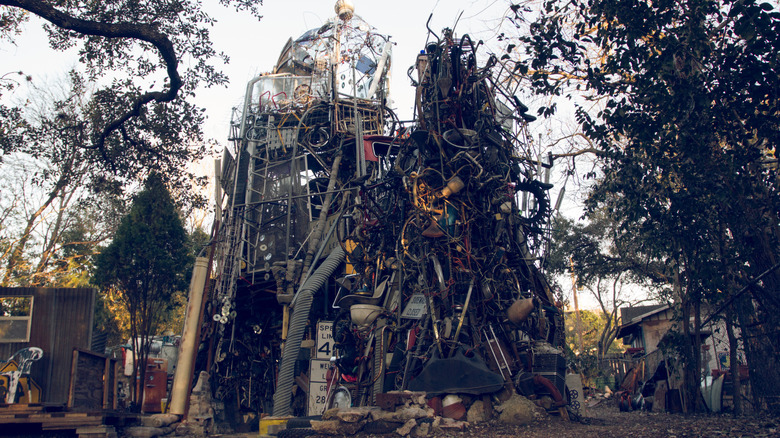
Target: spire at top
<point x="345" y="9"/>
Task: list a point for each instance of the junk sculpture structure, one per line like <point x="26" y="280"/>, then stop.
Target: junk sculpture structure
<point x="357" y="254"/>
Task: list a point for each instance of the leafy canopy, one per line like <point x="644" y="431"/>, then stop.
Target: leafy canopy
<point x="146" y="261"/>
<point x="688" y="115"/>
<point x="147" y="57"/>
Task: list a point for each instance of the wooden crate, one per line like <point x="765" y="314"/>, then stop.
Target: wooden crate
<point x="93" y="381"/>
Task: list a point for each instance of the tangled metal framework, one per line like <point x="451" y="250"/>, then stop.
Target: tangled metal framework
<point x="442" y="221"/>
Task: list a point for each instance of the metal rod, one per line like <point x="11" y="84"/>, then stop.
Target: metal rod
<point x="500" y="350"/>
<point x="463" y="313"/>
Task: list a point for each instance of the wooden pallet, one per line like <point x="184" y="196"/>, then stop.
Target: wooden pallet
<point x="49" y="418"/>
<point x="96" y="432"/>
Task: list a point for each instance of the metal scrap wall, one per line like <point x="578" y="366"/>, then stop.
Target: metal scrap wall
<point x="443" y="221"/>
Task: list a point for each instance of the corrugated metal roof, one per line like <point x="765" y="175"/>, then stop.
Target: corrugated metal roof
<point x="629" y="313"/>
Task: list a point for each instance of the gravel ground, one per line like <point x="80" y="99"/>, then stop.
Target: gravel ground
<point x="606" y="421"/>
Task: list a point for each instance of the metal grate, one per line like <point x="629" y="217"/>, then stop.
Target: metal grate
<point x="348" y="111"/>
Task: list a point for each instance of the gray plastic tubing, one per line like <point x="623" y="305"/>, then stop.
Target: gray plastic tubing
<point x="298" y="321"/>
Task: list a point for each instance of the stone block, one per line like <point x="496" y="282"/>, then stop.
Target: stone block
<point x="519" y="411"/>
<point x="448" y="425"/>
<point x="406" y="429"/>
<point x="143" y="432"/>
<point x="336" y="427"/>
<point x="190" y="429"/>
<point x="390" y="400"/>
<point x="159" y="420"/>
<point x="480" y="411"/>
<point x="403" y="414"/>
<point x="353" y="415"/>
<point x="327" y="427"/>
<point x="422" y="430"/>
<point x="330" y="414"/>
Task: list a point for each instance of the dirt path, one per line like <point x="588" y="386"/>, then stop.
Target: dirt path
<point x="606" y="421"/>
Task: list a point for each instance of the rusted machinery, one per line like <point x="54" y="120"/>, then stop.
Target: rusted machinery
<point x="358" y="254"/>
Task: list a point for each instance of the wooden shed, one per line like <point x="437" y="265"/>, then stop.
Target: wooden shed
<point x="57" y="320"/>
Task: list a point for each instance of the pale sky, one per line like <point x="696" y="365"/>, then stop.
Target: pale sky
<point x="254" y="46"/>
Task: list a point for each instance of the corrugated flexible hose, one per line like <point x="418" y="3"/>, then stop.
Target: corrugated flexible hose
<point x="298" y="321"/>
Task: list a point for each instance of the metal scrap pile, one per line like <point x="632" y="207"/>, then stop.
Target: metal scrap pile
<point x="414" y="248"/>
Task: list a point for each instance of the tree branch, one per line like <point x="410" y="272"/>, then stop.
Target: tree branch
<point x="142" y="32"/>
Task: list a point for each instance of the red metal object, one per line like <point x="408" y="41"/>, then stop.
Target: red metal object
<point x="556" y="395"/>
<point x="156" y="388"/>
<point x="456" y="411"/>
<point x="374" y="145"/>
<point x="743" y="373"/>
<point x="435" y="404"/>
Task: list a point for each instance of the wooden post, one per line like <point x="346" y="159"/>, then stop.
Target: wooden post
<point x="115" y="390"/>
<point x="73" y="365"/>
<point x="106" y="382"/>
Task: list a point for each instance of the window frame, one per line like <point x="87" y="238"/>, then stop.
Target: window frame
<point x="27" y="318"/>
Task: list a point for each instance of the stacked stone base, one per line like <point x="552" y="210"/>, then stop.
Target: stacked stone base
<point x="412" y="420"/>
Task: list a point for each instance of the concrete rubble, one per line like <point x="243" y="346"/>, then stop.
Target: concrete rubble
<point x="519" y="411"/>
<point x="416" y="418"/>
<point x="154" y="426"/>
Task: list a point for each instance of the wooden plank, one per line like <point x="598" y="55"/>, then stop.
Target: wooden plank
<point x="21" y="407"/>
<point x="106" y="383"/>
<point x="73" y="365"/>
<point x="115" y="391"/>
<point x="55" y="421"/>
<point x="72" y="424"/>
<point x="94" y="429"/>
<point x="89" y="382"/>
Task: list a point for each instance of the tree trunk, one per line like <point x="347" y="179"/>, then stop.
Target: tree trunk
<point x="757" y="233"/>
<point x="733" y="346"/>
<point x="690" y="388"/>
<point x="690" y="383"/>
<point x="136" y="350"/>
<point x="696" y="350"/>
<point x="18" y="249"/>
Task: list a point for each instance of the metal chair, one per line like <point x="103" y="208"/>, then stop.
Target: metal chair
<point x="24" y="358"/>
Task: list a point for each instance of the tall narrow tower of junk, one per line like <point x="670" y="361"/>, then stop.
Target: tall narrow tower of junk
<point x="357" y="254"/>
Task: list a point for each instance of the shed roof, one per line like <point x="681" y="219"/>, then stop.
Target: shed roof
<point x="629" y="313"/>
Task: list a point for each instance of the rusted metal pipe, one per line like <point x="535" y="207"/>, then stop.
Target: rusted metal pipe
<point x="556" y="395"/>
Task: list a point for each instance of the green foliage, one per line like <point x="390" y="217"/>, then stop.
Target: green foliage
<point x="56" y="204"/>
<point x="588" y="362"/>
<point x="598" y="249"/>
<point x="145" y="59"/>
<point x="603" y="259"/>
<point x="106" y="321"/>
<point x="15" y="306"/>
<point x="592" y="323"/>
<point x="145" y="264"/>
<point x="690" y="105"/>
<point x="688" y="122"/>
<point x="149" y="252"/>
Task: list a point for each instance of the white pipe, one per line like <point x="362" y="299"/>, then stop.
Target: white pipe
<point x="380" y="69"/>
<point x="218" y="189"/>
<point x="188" y="348"/>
